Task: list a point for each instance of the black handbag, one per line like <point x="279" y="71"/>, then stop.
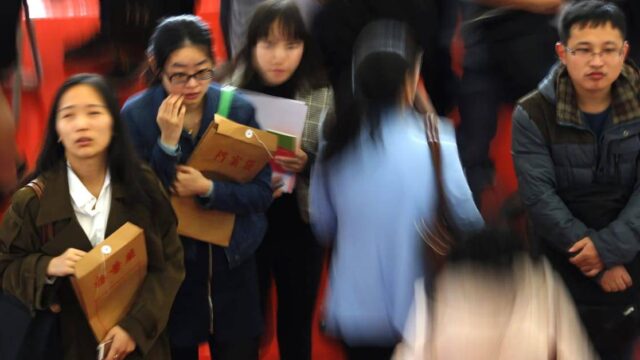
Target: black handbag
<point x="23" y="336"/>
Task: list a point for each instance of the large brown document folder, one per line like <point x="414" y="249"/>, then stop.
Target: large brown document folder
<point x="107" y="279"/>
<point x="227" y="151"/>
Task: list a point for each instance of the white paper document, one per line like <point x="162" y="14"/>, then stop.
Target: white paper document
<point x="279" y="114"/>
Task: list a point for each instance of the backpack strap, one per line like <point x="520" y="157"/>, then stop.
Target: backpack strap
<point x="226" y="97"/>
<point x="46" y="232"/>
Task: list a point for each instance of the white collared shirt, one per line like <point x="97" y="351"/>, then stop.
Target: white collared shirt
<point x="92" y="213"/>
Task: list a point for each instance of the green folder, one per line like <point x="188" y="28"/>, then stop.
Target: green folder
<point x="285" y="141"/>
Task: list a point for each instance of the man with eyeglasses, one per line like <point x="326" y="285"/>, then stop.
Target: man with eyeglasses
<point x="576" y="148"/>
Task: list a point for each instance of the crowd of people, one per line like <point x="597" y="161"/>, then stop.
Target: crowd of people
<point x="381" y="178"/>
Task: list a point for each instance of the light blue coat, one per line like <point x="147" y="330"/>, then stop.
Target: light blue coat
<point x="368" y="201"/>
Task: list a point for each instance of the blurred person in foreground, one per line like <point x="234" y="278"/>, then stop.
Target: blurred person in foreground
<point x="8" y="53"/>
<point x="576" y="146"/>
<point x="494" y="300"/>
<point x="8" y="172"/>
<point x="373" y="182"/>
<point x="499" y="67"/>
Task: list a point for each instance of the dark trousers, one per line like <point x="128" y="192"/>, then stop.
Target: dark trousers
<point x="225" y="23"/>
<point x="368" y="352"/>
<point x="291" y="255"/>
<point x="239" y="350"/>
<point x="480" y="98"/>
<point x="491" y="78"/>
<point x="8" y="26"/>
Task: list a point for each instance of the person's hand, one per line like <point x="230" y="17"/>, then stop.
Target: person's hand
<point x="587" y="258"/>
<point x="277" y="186"/>
<point x="170" y="119"/>
<point x="615" y="279"/>
<point x="189" y="182"/>
<point x="65" y="264"/>
<point x="122" y="344"/>
<point x="293" y="164"/>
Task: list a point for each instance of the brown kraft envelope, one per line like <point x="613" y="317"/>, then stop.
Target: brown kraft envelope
<point x="227" y="151"/>
<point x="108" y="277"/>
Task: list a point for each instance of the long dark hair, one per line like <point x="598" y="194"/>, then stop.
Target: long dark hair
<point x="384" y="54"/>
<point x="123" y="164"/>
<point x="174" y="33"/>
<point x="285" y="13"/>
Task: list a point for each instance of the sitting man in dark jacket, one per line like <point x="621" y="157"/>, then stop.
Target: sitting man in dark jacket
<point x="575" y="147"/>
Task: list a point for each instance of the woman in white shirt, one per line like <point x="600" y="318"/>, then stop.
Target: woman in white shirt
<point x="92" y="184"/>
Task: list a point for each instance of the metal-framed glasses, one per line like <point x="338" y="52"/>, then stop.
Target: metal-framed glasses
<point x="183" y="78"/>
<point x="588" y="54"/>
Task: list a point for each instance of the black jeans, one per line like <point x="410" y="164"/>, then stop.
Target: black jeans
<point x="237" y="350"/>
<point x="291" y="255"/>
<point x="369" y="352"/>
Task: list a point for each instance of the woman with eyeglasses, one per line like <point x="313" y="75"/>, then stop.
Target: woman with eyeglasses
<point x="218" y="305"/>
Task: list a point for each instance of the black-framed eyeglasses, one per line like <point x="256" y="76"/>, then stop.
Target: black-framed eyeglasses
<point x="183" y="78"/>
<point x="589" y="54"/>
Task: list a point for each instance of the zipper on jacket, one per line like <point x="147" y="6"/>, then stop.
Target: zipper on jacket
<point x="616" y="164"/>
<point x="210" y="297"/>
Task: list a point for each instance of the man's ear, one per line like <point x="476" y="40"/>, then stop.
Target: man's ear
<point x="625" y="49"/>
<point x="561" y="51"/>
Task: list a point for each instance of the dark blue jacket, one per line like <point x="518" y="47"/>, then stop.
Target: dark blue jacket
<point x="220" y="291"/>
<point x="576" y="184"/>
<point x="248" y="201"/>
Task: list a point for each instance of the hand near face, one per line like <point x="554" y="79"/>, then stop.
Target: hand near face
<point x="170" y="119"/>
<point x="190" y="181"/>
<point x="293" y="164"/>
<point x="616" y="279"/>
<point x="587" y="258"/>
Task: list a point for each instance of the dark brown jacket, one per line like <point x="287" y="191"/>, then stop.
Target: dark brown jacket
<point x="24" y="259"/>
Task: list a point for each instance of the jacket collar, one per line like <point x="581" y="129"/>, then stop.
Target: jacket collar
<point x="55" y="204"/>
<point x="625" y="96"/>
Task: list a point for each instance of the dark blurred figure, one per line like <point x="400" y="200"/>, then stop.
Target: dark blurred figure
<point x="507" y="52"/>
<point x="8" y="26"/>
<point x="339" y="21"/>
<point x="8" y="53"/>
<point x="8" y="171"/>
<point x="125" y="28"/>
<point x="234" y="20"/>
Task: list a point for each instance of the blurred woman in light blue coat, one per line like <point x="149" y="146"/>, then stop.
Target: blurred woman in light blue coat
<point x="374" y="182"/>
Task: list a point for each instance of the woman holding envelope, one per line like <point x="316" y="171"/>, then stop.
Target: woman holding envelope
<point x="218" y="305"/>
<point x="279" y="59"/>
<point x="91" y="185"/>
